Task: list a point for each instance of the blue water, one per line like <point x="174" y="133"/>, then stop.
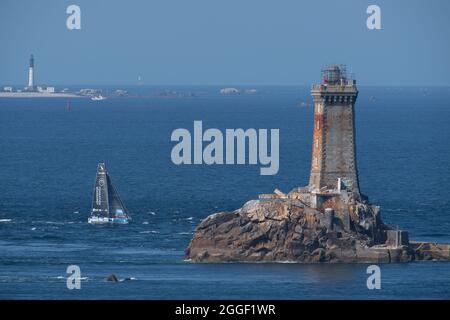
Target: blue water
<point x="48" y="158"/>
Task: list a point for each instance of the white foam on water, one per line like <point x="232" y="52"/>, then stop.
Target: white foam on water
<point x="127" y="279"/>
<point x="54" y="222"/>
<point x="5" y="220"/>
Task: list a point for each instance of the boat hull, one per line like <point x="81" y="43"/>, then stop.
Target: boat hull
<point x="104" y="220"/>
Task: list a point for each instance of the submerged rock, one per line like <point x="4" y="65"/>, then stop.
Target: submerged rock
<point x="112" y="278"/>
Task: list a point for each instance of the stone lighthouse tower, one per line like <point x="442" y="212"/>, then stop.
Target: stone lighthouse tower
<point x="333" y="164"/>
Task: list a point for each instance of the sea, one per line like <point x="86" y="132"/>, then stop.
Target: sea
<point x="50" y="148"/>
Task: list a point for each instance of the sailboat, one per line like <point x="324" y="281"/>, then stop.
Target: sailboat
<point x="98" y="98"/>
<point x="107" y="207"/>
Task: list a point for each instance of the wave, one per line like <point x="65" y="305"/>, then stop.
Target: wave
<point x="5" y="220"/>
<point x="56" y="222"/>
<point x="127" y="279"/>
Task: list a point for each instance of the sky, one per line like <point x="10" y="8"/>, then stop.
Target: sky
<point x="217" y="42"/>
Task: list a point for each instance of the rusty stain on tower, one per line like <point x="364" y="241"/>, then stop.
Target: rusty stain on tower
<point x="334" y="156"/>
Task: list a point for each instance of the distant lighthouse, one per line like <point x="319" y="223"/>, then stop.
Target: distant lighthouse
<point x="30" y="86"/>
<point x="30" y="73"/>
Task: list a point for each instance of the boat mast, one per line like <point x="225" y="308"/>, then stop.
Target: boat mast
<point x="106" y="190"/>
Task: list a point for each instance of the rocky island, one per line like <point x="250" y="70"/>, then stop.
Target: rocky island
<point x="327" y="221"/>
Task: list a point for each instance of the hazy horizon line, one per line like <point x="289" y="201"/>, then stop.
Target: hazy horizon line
<point x="221" y="85"/>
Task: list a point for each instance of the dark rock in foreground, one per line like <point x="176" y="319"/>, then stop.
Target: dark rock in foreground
<point x="286" y="228"/>
<point x="112" y="278"/>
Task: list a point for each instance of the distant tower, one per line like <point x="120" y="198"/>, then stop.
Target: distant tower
<point x="334" y="155"/>
<point x="30" y="73"/>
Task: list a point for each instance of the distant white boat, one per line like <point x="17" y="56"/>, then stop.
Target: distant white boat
<point x="229" y="91"/>
<point x="98" y="98"/>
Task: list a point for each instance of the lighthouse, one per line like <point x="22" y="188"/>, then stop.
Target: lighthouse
<point x="30" y="86"/>
<point x="333" y="164"/>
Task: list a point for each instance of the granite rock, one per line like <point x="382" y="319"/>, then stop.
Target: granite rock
<point x="288" y="230"/>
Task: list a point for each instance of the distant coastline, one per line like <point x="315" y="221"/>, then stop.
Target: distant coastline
<point x="38" y="95"/>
